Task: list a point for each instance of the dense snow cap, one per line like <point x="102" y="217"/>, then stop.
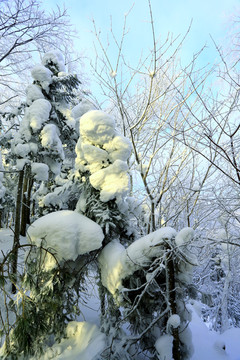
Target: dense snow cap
<point x="164" y="347"/>
<point x="43" y="75"/>
<point x="50" y="139"/>
<point x="112" y="181"/>
<point x="83" y="107"/>
<point x="33" y="93"/>
<point x="174" y="321"/>
<point x="69" y="233"/>
<point x="38" y="113"/>
<point x="104" y="153"/>
<point x="119" y="148"/>
<point x="40" y="171"/>
<point x="184" y="236"/>
<point x="54" y="57"/>
<point x="96" y="127"/>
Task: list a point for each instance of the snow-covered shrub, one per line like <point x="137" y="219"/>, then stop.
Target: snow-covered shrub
<point x="149" y="279"/>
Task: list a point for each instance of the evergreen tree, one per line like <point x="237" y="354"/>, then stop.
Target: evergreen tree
<point x="102" y="175"/>
<point x="47" y="134"/>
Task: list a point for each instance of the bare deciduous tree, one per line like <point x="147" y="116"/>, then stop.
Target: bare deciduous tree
<point x="25" y="28"/>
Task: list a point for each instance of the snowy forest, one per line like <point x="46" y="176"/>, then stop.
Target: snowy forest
<point x="119" y="210"/>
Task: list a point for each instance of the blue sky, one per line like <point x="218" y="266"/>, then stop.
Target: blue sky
<point x="209" y="17"/>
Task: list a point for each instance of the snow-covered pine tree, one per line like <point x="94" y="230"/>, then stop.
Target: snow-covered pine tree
<point x="61" y="246"/>
<point x="102" y="173"/>
<point x="47" y="134"/>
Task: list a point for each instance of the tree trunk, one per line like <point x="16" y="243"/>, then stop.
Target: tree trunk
<point x="24" y="206"/>
<point x="17" y="230"/>
<point x="27" y="188"/>
<point x="30" y="185"/>
<point x="171" y="293"/>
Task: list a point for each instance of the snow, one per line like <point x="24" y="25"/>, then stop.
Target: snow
<point x="20" y="163"/>
<point x="112" y="181"/>
<point x="43" y="75"/>
<point x="94" y="156"/>
<point x="67" y="113"/>
<point x="33" y="93"/>
<point x="174" y="321"/>
<point x="70" y="234"/>
<point x="38" y="113"/>
<point x="56" y="57"/>
<point x="208" y="345"/>
<point x="117" y="263"/>
<point x="40" y="171"/>
<point x="104" y="153"/>
<point x="96" y="127"/>
<point x="83" y="107"/>
<point x="53" y="199"/>
<point x="164" y="347"/>
<point x="184" y="236"/>
<point x="83" y="341"/>
<point x="113" y="74"/>
<point x="50" y="139"/>
<point x="119" y="148"/>
<point x="111" y="266"/>
<point x="22" y="150"/>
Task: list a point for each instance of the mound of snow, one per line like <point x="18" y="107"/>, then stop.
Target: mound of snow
<point x="67" y="232"/>
<point x="38" y="113"/>
<point x="112" y="181"/>
<point x="83" y="341"/>
<point x="33" y="93"/>
<point x="42" y="75"/>
<point x="164" y="347"/>
<point x="40" y="171"/>
<point x="96" y="127"/>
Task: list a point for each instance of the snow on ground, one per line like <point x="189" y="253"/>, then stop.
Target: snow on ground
<point x="84" y="341"/>
<point x="6" y="241"/>
<point x="209" y="345"/>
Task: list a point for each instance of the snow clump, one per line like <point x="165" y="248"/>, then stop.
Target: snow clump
<point x="43" y="76"/>
<point x="68" y="233"/>
<point x="40" y="171"/>
<point x="83" y="341"/>
<point x="117" y="263"/>
<point x="38" y="113"/>
<point x="164" y="347"/>
<point x="174" y="321"/>
<point x="104" y="153"/>
<point x="33" y="93"/>
<point x="56" y="58"/>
